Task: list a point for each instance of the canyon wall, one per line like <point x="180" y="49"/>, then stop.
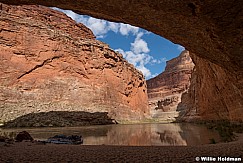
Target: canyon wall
<point x="50" y="63"/>
<point x="214" y="94"/>
<point x="165" y="90"/>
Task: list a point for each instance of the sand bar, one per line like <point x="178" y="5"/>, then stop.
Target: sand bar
<point x="32" y="152"/>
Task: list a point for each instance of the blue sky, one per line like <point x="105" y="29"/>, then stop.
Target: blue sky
<point x="148" y="52"/>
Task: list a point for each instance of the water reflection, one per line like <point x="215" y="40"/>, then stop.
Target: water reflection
<point x="131" y="135"/>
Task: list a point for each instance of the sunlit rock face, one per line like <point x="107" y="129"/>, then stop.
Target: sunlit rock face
<point x="165" y="90"/>
<point x="50" y="63"/>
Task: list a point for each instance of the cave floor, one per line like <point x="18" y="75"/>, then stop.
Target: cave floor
<point x="34" y="152"/>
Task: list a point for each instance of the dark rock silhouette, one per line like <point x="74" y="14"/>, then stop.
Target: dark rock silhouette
<point x="60" y="119"/>
<point x="2" y="139"/>
<point x="63" y="139"/>
<point x="24" y="135"/>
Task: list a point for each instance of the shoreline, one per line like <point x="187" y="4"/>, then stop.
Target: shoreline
<point x="37" y="152"/>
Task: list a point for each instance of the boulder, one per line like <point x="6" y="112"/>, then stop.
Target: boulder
<point x="2" y="139"/>
<point x="24" y="135"/>
<point x="63" y="139"/>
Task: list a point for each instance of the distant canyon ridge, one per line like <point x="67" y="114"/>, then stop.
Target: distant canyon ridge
<point x="166" y="89"/>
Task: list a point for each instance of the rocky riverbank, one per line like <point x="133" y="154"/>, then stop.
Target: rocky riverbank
<point x="60" y="119"/>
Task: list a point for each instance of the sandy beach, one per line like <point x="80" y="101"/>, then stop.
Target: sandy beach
<point x="36" y="152"/>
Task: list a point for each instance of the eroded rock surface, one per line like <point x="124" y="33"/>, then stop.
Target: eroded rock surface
<point x="214" y="94"/>
<point x="165" y="90"/>
<point x="50" y="63"/>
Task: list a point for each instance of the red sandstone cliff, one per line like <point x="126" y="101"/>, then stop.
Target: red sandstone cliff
<point x="165" y="90"/>
<point x="214" y="94"/>
<point x="50" y="63"/>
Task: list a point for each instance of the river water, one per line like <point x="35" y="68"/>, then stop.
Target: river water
<point x="172" y="134"/>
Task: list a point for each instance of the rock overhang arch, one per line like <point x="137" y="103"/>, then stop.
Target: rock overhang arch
<point x="210" y="29"/>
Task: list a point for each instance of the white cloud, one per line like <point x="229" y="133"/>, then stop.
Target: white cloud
<point x="154" y="75"/>
<point x="71" y="14"/>
<point x="146" y="72"/>
<point x="133" y="58"/>
<point x="163" y="59"/>
<point x="113" y="26"/>
<point x="101" y="27"/>
<point x="122" y="52"/>
<point x="158" y="61"/>
<point x="139" y="45"/>
<point x="125" y="29"/>
<point x="138" y="60"/>
<point x="180" y="48"/>
<point x="139" y="57"/>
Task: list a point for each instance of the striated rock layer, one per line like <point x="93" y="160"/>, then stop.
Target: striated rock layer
<point x="165" y="90"/>
<point x="214" y="94"/>
<point x="50" y="63"/>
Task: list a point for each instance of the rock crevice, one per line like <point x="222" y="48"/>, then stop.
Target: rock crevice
<point x="39" y="65"/>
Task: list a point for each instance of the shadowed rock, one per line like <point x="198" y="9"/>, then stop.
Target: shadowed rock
<point x="62" y="139"/>
<point x="24" y="135"/>
<point x="60" y="119"/>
